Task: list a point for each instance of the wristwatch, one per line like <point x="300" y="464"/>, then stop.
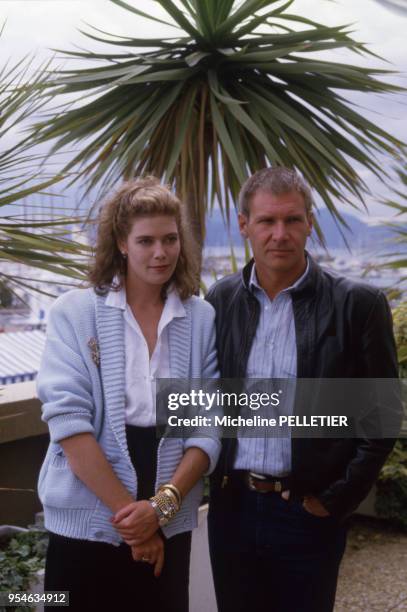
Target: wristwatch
<point x="163" y="519"/>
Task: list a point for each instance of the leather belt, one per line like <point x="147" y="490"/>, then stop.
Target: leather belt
<point x="263" y="483"/>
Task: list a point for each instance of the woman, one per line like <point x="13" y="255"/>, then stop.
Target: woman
<point x="119" y="503"/>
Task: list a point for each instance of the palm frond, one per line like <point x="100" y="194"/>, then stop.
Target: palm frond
<point x="398" y="260"/>
<point x="239" y="89"/>
<point x="44" y="244"/>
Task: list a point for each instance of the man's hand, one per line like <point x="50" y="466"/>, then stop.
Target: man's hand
<point x="136" y="522"/>
<point x="311" y="504"/>
<point x="151" y="551"/>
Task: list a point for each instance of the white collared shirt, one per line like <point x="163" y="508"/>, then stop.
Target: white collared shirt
<point x="273" y="355"/>
<point x="141" y="371"/>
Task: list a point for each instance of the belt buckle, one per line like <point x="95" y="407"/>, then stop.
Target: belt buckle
<point x="277" y="485"/>
<point x="252" y="485"/>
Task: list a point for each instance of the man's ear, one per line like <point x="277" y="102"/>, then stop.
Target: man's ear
<point x="243" y="221"/>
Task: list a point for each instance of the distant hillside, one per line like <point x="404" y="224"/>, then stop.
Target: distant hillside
<point x="360" y="235"/>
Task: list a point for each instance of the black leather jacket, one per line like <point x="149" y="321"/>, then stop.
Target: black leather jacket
<point x="343" y="330"/>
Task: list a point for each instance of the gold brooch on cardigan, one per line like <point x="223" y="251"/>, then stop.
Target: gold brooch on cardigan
<point x="94" y="351"/>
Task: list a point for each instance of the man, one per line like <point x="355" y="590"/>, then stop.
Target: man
<point x="276" y="517"/>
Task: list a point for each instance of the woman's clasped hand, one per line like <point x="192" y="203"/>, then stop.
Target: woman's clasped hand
<point x="151" y="551"/>
<point x="136" y="522"/>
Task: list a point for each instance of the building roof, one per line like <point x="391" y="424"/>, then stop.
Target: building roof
<point x="20" y="355"/>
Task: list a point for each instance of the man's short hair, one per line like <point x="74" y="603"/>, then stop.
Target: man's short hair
<point x="276" y="180"/>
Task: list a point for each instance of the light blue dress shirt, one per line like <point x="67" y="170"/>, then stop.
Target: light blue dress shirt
<point x="273" y="355"/>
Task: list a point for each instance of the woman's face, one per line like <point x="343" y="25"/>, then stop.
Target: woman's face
<point x="152" y="248"/>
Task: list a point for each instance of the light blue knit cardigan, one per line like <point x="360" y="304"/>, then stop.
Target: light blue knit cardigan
<point x="79" y="396"/>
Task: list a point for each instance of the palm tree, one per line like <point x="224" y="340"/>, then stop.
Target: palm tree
<point x="43" y="244"/>
<point x="238" y="89"/>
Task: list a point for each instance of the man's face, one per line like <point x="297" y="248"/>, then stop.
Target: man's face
<point x="277" y="227"/>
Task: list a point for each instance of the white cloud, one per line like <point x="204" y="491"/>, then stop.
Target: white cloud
<point x="35" y="25"/>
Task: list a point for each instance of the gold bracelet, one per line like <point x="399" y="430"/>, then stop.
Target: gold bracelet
<point x="165" y="506"/>
<point x="171" y="495"/>
<point x="174" y="489"/>
<point x="170" y="498"/>
<point x="162" y="520"/>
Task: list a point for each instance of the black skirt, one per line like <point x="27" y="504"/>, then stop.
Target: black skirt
<point x="102" y="576"/>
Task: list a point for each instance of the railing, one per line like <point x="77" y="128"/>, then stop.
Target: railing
<point x="20" y="414"/>
<point x="23" y="442"/>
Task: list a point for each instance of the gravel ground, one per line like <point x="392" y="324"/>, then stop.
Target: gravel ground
<point x="373" y="574"/>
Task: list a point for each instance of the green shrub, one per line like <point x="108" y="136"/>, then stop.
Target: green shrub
<point x="20" y="559"/>
<point x="400" y="334"/>
<point x="391" y="500"/>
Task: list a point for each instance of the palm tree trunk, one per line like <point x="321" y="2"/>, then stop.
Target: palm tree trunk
<point x="194" y="223"/>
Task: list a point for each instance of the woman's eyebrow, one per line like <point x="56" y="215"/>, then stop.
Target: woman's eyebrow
<point x="163" y="236"/>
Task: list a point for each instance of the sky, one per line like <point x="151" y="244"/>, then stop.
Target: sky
<point x="35" y="26"/>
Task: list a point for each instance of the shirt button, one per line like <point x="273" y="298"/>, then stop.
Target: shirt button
<point x="98" y="534"/>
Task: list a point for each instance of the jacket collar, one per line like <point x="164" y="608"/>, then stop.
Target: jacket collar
<point x="306" y="287"/>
